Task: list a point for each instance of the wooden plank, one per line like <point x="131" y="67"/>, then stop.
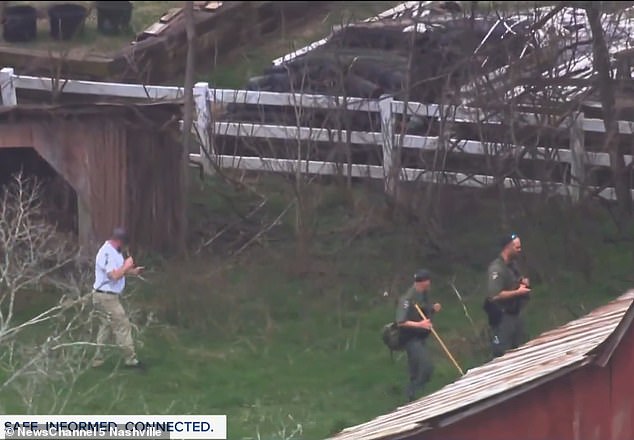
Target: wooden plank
<point x="100" y="88"/>
<point x="598" y="126"/>
<point x="39" y="61"/>
<point x="377" y="172"/>
<point x="465" y="114"/>
<point x="468" y="146"/>
<point x="290" y="165"/>
<point x="16" y="135"/>
<point x="202" y="124"/>
<point x="475" y="115"/>
<point x="294" y="133"/>
<point x="170" y="14"/>
<point x="299" y="52"/>
<point x="155" y="29"/>
<point x="212" y="6"/>
<point x="397" y="10"/>
<point x="7" y="88"/>
<point x="387" y="130"/>
<point x="290" y="99"/>
<point x="578" y="162"/>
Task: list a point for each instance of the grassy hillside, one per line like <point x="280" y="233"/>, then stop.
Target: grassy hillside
<point x="294" y="352"/>
<point x="287" y="344"/>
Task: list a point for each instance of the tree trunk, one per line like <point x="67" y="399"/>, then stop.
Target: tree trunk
<point x="601" y="61"/>
<point x="188" y="112"/>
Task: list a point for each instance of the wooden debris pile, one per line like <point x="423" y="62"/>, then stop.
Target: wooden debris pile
<point x="174" y="16"/>
<point x="445" y="55"/>
<point x="373" y="58"/>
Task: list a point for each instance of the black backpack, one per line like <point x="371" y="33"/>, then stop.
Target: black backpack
<point x="391" y="336"/>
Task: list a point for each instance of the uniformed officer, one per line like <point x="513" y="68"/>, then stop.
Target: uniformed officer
<point x="508" y="292"/>
<point x="414" y="330"/>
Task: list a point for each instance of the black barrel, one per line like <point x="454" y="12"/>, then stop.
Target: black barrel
<point x="113" y="16"/>
<point x="66" y="20"/>
<point x="20" y="24"/>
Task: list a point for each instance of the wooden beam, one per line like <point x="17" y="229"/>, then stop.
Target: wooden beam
<point x="292" y="132"/>
<point x="155" y="29"/>
<point x="16" y="135"/>
<point x="85" y="231"/>
<point x="213" y="6"/>
<point x="291" y="99"/>
<point x="170" y="15"/>
<point x="100" y="88"/>
<point x="7" y="87"/>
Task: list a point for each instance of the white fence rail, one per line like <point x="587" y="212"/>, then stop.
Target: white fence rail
<point x="386" y="108"/>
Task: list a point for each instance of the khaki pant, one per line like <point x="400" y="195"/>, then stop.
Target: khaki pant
<point x="115" y="321"/>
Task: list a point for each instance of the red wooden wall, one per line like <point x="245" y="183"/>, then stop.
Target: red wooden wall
<point x="591" y="403"/>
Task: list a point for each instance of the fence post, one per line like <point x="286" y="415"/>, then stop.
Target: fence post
<point x="578" y="156"/>
<point x="387" y="131"/>
<point x="202" y="125"/>
<point x="7" y="88"/>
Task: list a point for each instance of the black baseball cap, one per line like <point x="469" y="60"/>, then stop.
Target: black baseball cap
<point x="506" y="239"/>
<point x="120" y="234"/>
<point x="422" y="275"/>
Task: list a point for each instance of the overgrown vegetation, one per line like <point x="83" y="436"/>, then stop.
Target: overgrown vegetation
<point x="290" y="354"/>
<point x="275" y="321"/>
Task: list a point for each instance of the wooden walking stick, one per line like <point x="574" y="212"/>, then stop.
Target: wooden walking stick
<point x="442" y="344"/>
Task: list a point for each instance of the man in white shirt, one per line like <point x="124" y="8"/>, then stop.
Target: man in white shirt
<point x="110" y="270"/>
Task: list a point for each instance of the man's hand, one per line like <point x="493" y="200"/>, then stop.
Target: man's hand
<point x="119" y="273"/>
<point x="128" y="264"/>
<point x="425" y="323"/>
<point x="137" y="270"/>
<point x="523" y="290"/>
<point x="525" y="281"/>
<point x="437" y="307"/>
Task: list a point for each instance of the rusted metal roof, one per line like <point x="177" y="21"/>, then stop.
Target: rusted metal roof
<point x="550" y="355"/>
<point x="569" y="32"/>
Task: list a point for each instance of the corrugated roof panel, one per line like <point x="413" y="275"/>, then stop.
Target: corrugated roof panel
<point x="567" y="28"/>
<point x="570" y="345"/>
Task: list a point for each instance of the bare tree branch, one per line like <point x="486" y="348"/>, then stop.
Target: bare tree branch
<point x="43" y="354"/>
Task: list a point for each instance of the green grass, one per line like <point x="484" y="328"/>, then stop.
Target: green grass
<point x="283" y="350"/>
<point x="290" y="353"/>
